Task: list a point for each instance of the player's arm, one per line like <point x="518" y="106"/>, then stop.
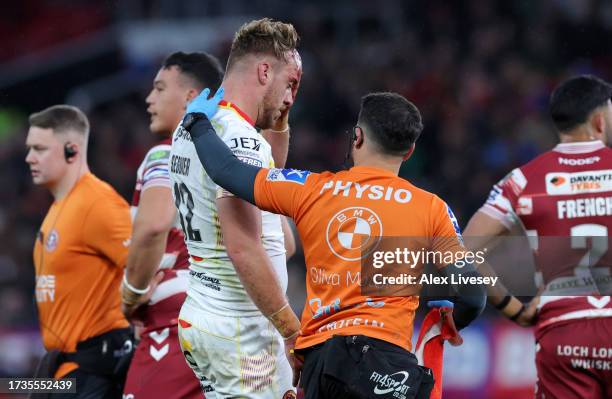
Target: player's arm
<point x="153" y="221"/>
<point x="240" y="221"/>
<point x="279" y="141"/>
<point x="482" y="229"/>
<point x="278" y="138"/>
<point x="279" y="190"/>
<point x="290" y="244"/>
<point x="469" y="299"/>
<point x="241" y="229"/>
<point x="220" y="163"/>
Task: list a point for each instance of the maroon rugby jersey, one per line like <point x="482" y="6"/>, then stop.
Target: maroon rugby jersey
<point x="168" y="297"/>
<point x="564" y="200"/>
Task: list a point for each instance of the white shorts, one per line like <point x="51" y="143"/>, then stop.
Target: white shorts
<point x="243" y="357"/>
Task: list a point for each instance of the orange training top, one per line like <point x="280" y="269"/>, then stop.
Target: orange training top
<point x="79" y="257"/>
<point x="336" y="216"/>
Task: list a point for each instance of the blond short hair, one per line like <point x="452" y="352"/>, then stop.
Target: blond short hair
<point x="263" y="36"/>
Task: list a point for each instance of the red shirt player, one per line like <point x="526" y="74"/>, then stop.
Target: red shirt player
<point x="563" y="199"/>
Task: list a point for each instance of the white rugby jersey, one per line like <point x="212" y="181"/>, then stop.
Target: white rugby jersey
<point x="214" y="284"/>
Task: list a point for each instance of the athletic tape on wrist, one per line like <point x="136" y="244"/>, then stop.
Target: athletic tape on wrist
<point x="285" y="130"/>
<point x="516" y="316"/>
<point x="270" y="317"/>
<point x="504" y="302"/>
<point x="135" y="290"/>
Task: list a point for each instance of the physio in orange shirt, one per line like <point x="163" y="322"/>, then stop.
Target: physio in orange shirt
<point x="79" y="256"/>
<point x="354" y="345"/>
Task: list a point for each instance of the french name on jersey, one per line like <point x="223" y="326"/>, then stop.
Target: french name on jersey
<point x="579" y="161"/>
<point x="180" y="165"/>
<point x="596" y="181"/>
<point x="372" y="192"/>
<point x="584" y="207"/>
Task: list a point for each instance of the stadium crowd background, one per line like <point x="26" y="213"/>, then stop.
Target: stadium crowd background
<point x="480" y="72"/>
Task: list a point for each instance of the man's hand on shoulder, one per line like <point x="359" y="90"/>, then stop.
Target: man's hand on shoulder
<point x="204" y="105"/>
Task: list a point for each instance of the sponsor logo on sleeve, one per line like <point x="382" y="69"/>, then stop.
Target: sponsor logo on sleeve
<point x="494" y="194"/>
<point x="157" y="155"/>
<point x="289" y="175"/>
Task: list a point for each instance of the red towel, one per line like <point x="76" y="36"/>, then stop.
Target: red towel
<point x="437" y="327"/>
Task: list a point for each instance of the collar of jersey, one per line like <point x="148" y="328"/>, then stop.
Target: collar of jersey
<point x="227" y="105"/>
<point x="579" y="147"/>
<point x="370" y="170"/>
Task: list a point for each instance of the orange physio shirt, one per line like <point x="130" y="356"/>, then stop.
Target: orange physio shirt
<point x="79" y="257"/>
<point x="335" y="214"/>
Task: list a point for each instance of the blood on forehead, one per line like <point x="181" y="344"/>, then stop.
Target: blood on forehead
<point x="296" y="73"/>
<point x="298" y="60"/>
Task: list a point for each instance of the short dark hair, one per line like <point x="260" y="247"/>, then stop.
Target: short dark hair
<point x="203" y="68"/>
<point x="61" y="118"/>
<point x="573" y="100"/>
<point x="263" y="36"/>
<point x="393" y="122"/>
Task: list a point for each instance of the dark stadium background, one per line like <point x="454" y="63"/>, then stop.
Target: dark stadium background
<point x="480" y="71"/>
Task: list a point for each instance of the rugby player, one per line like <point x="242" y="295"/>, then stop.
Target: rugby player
<point x="356" y="346"/>
<point x="158" y="248"/>
<point x="238" y="269"/>
<point x="79" y="256"/>
<point x="565" y="192"/>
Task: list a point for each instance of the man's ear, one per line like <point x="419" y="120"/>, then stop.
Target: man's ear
<point x="264" y="72"/>
<point x="409" y="153"/>
<point x="359" y="137"/>
<point x="598" y="123"/>
<point x="191" y="94"/>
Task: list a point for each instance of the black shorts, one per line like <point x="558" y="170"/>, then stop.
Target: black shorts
<point x="360" y="367"/>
